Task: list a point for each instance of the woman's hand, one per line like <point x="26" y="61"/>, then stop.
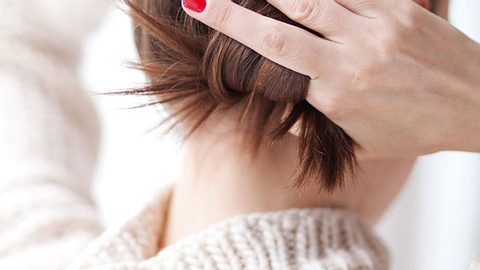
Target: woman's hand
<point x="397" y="78"/>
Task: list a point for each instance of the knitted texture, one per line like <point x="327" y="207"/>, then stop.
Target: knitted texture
<point x="290" y="239"/>
<point x="49" y="134"/>
<point x="49" y="138"/>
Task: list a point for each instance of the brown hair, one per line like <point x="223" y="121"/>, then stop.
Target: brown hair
<point x="201" y="71"/>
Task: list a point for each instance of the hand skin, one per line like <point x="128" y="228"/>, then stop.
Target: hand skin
<point x="398" y="79"/>
<point x="358" y="80"/>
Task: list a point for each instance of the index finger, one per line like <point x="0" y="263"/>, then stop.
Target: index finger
<point x="282" y="43"/>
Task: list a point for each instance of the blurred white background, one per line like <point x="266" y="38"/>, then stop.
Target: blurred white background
<point x="434" y="224"/>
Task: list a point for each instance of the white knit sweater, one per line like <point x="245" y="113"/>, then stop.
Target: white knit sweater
<point x="49" y="136"/>
<point x="290" y="239"/>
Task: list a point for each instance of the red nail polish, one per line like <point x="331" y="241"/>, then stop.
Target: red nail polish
<point x="195" y="5"/>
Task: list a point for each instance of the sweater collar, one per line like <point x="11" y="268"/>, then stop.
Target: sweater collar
<point x="313" y="238"/>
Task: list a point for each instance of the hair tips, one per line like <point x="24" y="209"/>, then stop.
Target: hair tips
<point x="203" y="70"/>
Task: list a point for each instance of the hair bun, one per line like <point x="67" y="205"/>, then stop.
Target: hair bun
<point x="232" y="68"/>
<point x="201" y="69"/>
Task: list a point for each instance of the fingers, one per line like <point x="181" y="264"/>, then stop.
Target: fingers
<point x="285" y="44"/>
<point x="323" y="16"/>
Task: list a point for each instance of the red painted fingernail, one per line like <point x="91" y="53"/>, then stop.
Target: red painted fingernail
<point x="195" y="5"/>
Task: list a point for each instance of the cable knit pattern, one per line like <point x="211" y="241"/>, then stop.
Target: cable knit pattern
<point x="49" y="137"/>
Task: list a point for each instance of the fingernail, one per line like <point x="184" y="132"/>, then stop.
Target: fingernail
<point x="194" y="5"/>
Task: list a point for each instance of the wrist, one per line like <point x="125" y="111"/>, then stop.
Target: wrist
<point x="455" y="84"/>
<point x="473" y="87"/>
<point x="467" y="87"/>
<point x="474" y="68"/>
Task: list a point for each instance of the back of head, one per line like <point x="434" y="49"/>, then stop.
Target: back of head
<point x="197" y="72"/>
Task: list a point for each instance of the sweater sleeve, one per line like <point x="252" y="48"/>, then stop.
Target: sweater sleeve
<point x="49" y="134"/>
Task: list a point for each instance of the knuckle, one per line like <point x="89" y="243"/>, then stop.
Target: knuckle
<point x="390" y="41"/>
<point x="274" y="41"/>
<point x="221" y="16"/>
<point x="413" y="19"/>
<point x="306" y="10"/>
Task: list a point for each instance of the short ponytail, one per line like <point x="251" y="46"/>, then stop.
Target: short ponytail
<point x="201" y="70"/>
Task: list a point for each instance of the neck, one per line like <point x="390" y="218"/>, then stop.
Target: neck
<point x="221" y="179"/>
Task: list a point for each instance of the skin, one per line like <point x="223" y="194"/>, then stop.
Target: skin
<point x="375" y="98"/>
<point x="221" y="179"/>
<point x="399" y="79"/>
